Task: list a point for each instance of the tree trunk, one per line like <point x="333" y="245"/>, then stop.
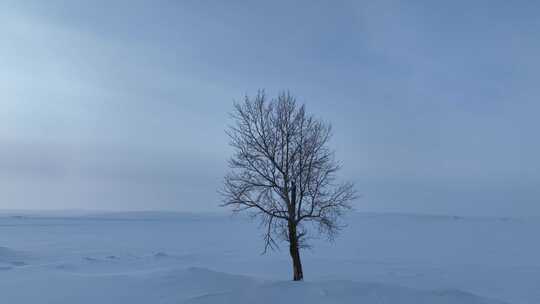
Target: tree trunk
<point x="298" y="275"/>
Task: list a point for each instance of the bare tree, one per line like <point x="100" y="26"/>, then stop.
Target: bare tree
<point x="283" y="173"/>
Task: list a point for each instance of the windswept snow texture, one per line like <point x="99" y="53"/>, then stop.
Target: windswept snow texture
<point x="153" y="257"/>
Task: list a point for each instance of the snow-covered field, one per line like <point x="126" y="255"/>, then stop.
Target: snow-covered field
<point x="152" y="257"/>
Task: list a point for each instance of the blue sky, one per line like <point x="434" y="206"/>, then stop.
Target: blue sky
<point x="123" y="104"/>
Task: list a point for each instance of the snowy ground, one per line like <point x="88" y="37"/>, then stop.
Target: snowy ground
<point x="183" y="258"/>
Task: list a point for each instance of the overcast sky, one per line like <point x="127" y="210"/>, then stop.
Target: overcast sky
<point x="122" y="105"/>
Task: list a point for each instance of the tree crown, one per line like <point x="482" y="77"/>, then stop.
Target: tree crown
<point x="282" y="170"/>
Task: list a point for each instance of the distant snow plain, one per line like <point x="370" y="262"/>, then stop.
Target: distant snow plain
<point x="166" y="257"/>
